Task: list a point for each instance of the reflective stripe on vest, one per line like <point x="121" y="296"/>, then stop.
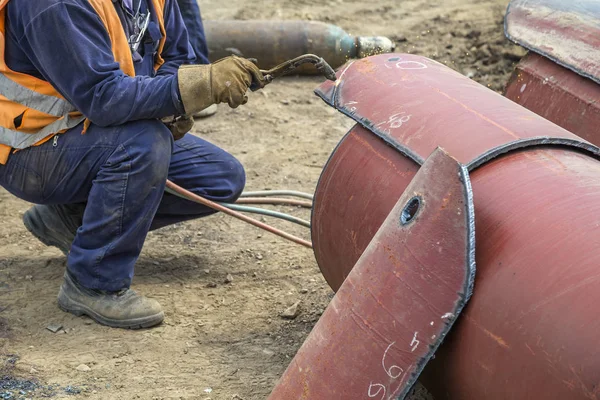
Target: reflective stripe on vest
<point x="54" y="106"/>
<point x="20" y="140"/>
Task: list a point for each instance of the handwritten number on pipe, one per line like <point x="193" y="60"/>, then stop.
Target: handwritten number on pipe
<point x="394" y="371"/>
<point x="380" y="390"/>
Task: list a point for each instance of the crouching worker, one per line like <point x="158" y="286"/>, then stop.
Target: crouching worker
<point x="85" y="86"/>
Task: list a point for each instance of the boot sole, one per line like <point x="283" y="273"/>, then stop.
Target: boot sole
<point x="68" y="305"/>
<point x="30" y="227"/>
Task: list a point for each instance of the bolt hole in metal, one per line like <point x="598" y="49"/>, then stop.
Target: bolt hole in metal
<point x="410" y="210"/>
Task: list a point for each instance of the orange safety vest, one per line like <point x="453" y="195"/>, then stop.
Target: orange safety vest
<point x="31" y="109"/>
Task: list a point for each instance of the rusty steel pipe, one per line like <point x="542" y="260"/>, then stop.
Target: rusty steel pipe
<point x="274" y="42"/>
<point x="557" y="94"/>
<point x="560" y="78"/>
<point x="401" y="298"/>
<point x="531" y="328"/>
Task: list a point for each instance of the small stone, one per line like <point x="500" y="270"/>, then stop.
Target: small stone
<point x="207" y="271"/>
<point x="259" y="256"/>
<point x="88" y="322"/>
<point x="303" y="291"/>
<point x="228" y="278"/>
<point x="83" y="368"/>
<point x="268" y="352"/>
<point x="285" y="102"/>
<point x="29" y="277"/>
<point x="473" y="34"/>
<point x="54" y="327"/>
<point x="254" y="274"/>
<point x="211" y="285"/>
<point x="291" y="312"/>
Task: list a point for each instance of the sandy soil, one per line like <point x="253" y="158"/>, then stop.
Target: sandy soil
<point x="225" y="340"/>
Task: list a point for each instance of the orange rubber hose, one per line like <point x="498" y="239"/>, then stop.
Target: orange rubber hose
<point x="201" y="200"/>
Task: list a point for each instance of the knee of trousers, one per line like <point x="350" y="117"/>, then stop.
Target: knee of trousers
<point x="235" y="178"/>
<point x="149" y="143"/>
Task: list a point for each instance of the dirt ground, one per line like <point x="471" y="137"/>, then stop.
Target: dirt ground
<point x="225" y="340"/>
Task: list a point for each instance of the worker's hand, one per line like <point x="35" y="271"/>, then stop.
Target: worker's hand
<point x="231" y="79"/>
<point x="179" y="127"/>
<point x="225" y="81"/>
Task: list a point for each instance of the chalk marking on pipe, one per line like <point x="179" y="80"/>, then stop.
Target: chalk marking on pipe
<point x="390" y="369"/>
<point x="339" y="80"/>
<point x="415" y="343"/>
<point x="379" y="386"/>
<point x="351" y="103"/>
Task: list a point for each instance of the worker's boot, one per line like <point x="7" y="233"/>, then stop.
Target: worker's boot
<point x="54" y="225"/>
<point x="122" y="309"/>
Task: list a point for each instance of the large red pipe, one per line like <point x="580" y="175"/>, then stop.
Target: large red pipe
<point x="531" y="330"/>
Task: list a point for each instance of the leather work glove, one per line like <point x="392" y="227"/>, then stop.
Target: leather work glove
<point x="224" y="81"/>
<point x="179" y="126"/>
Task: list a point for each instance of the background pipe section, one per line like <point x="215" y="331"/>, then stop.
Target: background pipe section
<point x="274" y="42"/>
<point x="531" y="328"/>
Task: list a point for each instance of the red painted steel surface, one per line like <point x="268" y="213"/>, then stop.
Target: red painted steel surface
<point x="376" y="197"/>
<point x="401" y="298"/>
<point x="565" y="31"/>
<point x="409" y="101"/>
<point x="531" y="329"/>
<point x="557" y="94"/>
<point x="429" y="105"/>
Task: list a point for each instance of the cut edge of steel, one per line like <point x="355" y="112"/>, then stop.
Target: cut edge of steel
<point x="329" y="92"/>
<point x="470" y="275"/>
<point x="558" y="30"/>
<point x="294" y="379"/>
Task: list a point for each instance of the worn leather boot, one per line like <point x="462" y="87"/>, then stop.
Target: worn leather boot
<point x="54" y="225"/>
<point x="122" y="309"/>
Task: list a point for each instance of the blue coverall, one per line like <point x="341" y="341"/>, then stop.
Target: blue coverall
<point x="120" y="165"/>
<point x="193" y="21"/>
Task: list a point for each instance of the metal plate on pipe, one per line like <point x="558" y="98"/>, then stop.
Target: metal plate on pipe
<point x="565" y="31"/>
<point x="400" y="299"/>
<point x="368" y="91"/>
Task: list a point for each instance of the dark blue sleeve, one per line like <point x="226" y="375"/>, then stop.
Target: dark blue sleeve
<point x="69" y="45"/>
<point x="177" y="50"/>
